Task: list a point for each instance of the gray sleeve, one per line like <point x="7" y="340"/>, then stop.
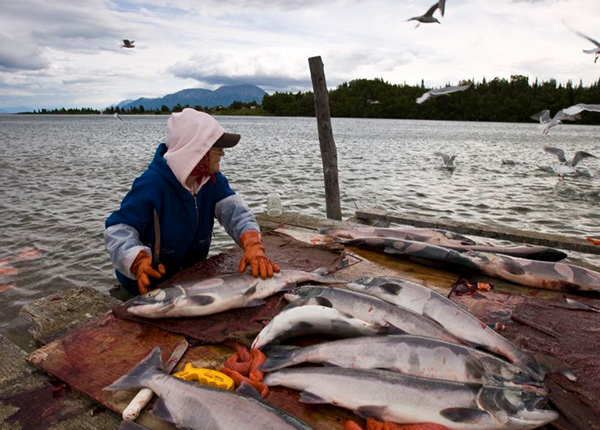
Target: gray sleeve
<point x="123" y="244"/>
<point x="235" y="216"/>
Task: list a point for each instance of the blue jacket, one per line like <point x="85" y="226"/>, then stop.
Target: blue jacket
<point x="186" y="222"/>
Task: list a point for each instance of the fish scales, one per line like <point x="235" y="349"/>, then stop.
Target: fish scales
<point x="413" y="355"/>
<point x="455" y="319"/>
<point x="214" y="295"/>
<point x="370" y="309"/>
<point x="390" y="396"/>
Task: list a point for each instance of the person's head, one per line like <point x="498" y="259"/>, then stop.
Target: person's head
<point x="196" y="142"/>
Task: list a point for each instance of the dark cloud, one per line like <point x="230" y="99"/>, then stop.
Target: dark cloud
<point x="16" y="55"/>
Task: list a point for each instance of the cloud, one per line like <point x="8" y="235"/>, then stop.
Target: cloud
<point x="16" y="55"/>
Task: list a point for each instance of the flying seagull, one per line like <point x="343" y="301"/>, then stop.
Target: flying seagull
<point x="428" y="17"/>
<point x="547" y="122"/>
<point x="566" y="167"/>
<point x="116" y="115"/>
<point x="579" y="155"/>
<point x="442" y="92"/>
<point x="448" y="161"/>
<point x="128" y="43"/>
<point x="596" y="50"/>
<point x="569" y="114"/>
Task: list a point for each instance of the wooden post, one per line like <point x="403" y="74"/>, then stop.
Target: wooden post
<point x="328" y="151"/>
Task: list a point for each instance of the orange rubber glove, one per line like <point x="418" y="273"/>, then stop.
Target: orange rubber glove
<point x="254" y="255"/>
<point x="142" y="267"/>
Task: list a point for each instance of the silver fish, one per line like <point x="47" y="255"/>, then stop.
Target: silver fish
<point x="391" y="396"/>
<point x="447" y="240"/>
<point x="450" y="315"/>
<point x="219" y="294"/>
<point x="412" y="249"/>
<point x="193" y="406"/>
<point x="431" y="236"/>
<point x="314" y="319"/>
<point x="411" y="355"/>
<point x="536" y="274"/>
<point x="370" y="309"/>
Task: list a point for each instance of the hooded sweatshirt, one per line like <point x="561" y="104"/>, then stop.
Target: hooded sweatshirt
<point x="186" y="208"/>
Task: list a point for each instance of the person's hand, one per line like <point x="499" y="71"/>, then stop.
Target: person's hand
<point x="254" y="255"/>
<point x="142" y="267"/>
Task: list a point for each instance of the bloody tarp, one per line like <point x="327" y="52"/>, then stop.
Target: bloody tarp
<point x="560" y="330"/>
<point x="241" y="325"/>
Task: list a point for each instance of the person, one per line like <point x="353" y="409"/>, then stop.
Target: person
<point x="185" y="187"/>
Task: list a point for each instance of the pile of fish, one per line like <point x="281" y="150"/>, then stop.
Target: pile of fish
<point x="403" y="353"/>
<point x="532" y="266"/>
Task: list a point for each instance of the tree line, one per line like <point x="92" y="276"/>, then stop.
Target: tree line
<point x="499" y="100"/>
<point x="502" y="100"/>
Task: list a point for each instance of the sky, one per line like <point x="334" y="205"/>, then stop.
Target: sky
<point x="66" y="53"/>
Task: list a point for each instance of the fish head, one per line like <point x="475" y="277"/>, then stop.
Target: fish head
<point x="507" y="374"/>
<point x="375" y="285"/>
<point x="516" y="408"/>
<point x="157" y="302"/>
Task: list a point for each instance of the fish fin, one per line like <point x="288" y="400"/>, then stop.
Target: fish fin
<point x="289" y="287"/>
<point x="201" y="300"/>
<point x="371" y="411"/>
<point x="390" y="329"/>
<point x="130" y="425"/>
<point x="248" y="390"/>
<point x="162" y="412"/>
<point x="322" y="301"/>
<point x="464" y="415"/>
<point x="279" y="359"/>
<point x="474" y="367"/>
<point x="250" y="291"/>
<point x="311" y="398"/>
<point x="254" y="302"/>
<point x="554" y="365"/>
<point x="390" y="288"/>
<point x="149" y="366"/>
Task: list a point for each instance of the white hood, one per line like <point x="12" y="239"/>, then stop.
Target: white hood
<point x="190" y="135"/>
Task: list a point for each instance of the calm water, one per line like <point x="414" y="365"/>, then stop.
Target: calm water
<point x="63" y="175"/>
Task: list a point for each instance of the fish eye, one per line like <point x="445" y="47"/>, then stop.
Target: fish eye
<point x="157" y="294"/>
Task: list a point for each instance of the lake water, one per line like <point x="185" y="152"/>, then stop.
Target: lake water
<point x="62" y="176"/>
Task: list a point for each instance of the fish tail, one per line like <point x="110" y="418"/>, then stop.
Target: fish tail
<point x="141" y="373"/>
<point x="280" y="358"/>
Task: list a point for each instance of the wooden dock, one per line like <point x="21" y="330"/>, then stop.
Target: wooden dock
<point x="27" y="393"/>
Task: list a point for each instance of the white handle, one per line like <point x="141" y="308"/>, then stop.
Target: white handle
<point x="141" y="399"/>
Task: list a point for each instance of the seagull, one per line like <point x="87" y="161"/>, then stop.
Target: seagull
<point x="546" y="122"/>
<point x="569" y="114"/>
<point x="448" y="161"/>
<point x="442" y="92"/>
<point x="591" y="51"/>
<point x="428" y="17"/>
<point x="116" y="115"/>
<point x="580" y="107"/>
<point x="128" y="43"/>
<point x="566" y="167"/>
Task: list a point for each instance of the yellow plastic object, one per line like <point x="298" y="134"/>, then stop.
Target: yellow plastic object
<point x="206" y="377"/>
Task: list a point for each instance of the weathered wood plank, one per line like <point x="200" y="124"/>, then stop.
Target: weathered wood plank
<point x="54" y="315"/>
<point x="28" y="401"/>
<point x="296" y="219"/>
<point x="328" y="150"/>
<point x="494" y="232"/>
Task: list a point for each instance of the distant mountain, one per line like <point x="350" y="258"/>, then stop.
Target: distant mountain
<point x="222" y="96"/>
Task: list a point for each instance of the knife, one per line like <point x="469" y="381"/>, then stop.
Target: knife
<point x="141" y="399"/>
<point x="156" y="252"/>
